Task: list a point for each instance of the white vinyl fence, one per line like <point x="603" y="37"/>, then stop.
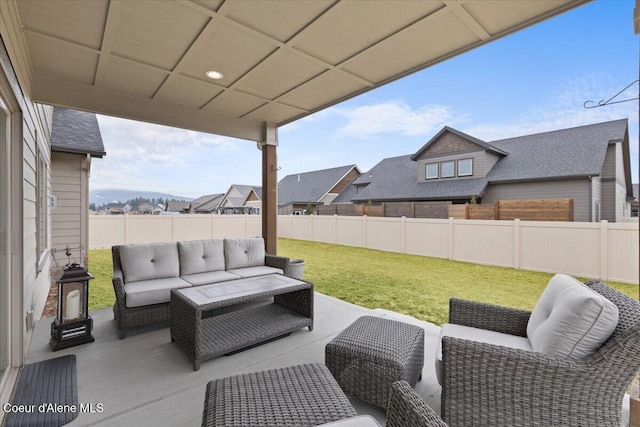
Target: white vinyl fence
<point x="608" y="251"/>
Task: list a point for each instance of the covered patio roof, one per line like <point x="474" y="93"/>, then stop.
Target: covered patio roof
<point x="280" y="60"/>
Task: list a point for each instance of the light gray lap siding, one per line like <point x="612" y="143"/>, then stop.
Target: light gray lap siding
<point x="576" y="189"/>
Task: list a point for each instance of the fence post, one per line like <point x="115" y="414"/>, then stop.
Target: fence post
<point x="404" y="235"/>
<point x="450" y="238"/>
<point x="213" y="224"/>
<point x="312" y="226"/>
<point x="516" y="243"/>
<point x="604" y="246"/>
<point x="466" y="211"/>
<point x="335" y="228"/>
<point x="364" y="231"/>
<point x="126" y="229"/>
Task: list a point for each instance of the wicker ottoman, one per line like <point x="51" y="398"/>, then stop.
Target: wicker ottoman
<point x="303" y="395"/>
<point x="372" y="353"/>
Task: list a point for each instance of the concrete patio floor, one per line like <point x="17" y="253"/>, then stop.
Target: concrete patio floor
<point x="146" y="380"/>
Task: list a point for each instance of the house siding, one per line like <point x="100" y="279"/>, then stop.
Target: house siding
<point x="481" y="163"/>
<point x="342" y="184"/>
<point x="35" y="128"/>
<point x="448" y="143"/>
<point x="614" y="188"/>
<point x="576" y="189"/>
<point x="69" y="218"/>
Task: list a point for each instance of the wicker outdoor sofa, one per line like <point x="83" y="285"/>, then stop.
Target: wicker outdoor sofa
<point x="488" y="384"/>
<point x="145" y="274"/>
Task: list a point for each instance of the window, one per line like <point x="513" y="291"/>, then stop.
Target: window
<point x="465" y="167"/>
<point x="431" y="171"/>
<point x="447" y="169"/>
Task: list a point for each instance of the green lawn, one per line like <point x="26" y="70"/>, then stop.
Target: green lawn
<point x="414" y="285"/>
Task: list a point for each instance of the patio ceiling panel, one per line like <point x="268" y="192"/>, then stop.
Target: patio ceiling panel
<point x="431" y="38"/>
<point x="133" y="78"/>
<point x="187" y="91"/>
<point x="324" y="88"/>
<point x="282" y="60"/>
<point x="351" y="27"/>
<point x="236" y="103"/>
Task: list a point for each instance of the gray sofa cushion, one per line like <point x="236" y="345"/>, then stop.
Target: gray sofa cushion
<point x="260" y="270"/>
<point x="210" y="277"/>
<point x="570" y="320"/>
<point x="201" y="256"/>
<point x="477" y="335"/>
<point x="240" y="253"/>
<point x="149" y="261"/>
<point x="155" y="291"/>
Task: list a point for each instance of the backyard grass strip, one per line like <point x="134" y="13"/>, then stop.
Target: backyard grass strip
<point x="415" y="285"/>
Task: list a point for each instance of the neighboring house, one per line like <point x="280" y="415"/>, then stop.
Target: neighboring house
<point x="149" y="209"/>
<point x="589" y="164"/>
<point x="75" y="140"/>
<point x="297" y="191"/>
<point x="207" y="204"/>
<point x="178" y="207"/>
<point x="242" y="199"/>
<point x="634" y="202"/>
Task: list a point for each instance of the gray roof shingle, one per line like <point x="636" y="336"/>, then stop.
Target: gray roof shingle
<point x="75" y="131"/>
<point x="395" y="178"/>
<point x="565" y="153"/>
<point x="310" y="186"/>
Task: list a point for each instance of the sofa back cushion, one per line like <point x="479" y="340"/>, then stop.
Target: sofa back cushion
<point x="570" y="320"/>
<point x="241" y="253"/>
<point x="149" y="261"/>
<point x="201" y="256"/>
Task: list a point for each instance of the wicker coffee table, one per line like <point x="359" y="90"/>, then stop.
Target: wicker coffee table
<point x="372" y="353"/>
<point x="211" y="320"/>
<point x="303" y="395"/>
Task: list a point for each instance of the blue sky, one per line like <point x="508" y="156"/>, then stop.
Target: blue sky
<point x="533" y="81"/>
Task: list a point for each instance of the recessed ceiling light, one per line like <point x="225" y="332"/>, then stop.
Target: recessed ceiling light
<point x="216" y="75"/>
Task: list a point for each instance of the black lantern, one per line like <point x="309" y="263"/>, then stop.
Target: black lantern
<point x="73" y="325"/>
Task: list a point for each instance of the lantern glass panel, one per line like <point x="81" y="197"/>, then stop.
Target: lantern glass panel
<point x="72" y="301"/>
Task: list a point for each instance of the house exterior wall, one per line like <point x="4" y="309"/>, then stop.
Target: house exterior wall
<point x="69" y="219"/>
<point x="342" y="184"/>
<point x="448" y="143"/>
<point x="613" y="188"/>
<point x="576" y="189"/>
<point x="482" y="163"/>
<point x="25" y="280"/>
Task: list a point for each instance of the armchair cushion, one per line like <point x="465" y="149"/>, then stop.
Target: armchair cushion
<point x="570" y="320"/>
<point x="478" y="335"/>
<point x="241" y="253"/>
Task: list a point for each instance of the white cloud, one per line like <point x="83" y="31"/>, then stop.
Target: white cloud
<point x="393" y="117"/>
<point x="133" y="148"/>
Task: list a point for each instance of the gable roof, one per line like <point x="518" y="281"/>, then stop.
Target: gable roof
<point x="177" y="206"/>
<point x="75" y="131"/>
<point x="565" y="153"/>
<point x="207" y="203"/>
<point x="243" y="192"/>
<point x="463" y="135"/>
<point x="561" y="154"/>
<point x="310" y="186"/>
<point x="395" y="178"/>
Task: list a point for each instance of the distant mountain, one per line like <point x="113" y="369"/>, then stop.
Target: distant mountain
<point x="101" y="197"/>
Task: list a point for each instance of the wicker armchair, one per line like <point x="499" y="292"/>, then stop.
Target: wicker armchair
<point x="407" y="409"/>
<point x="487" y="384"/>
